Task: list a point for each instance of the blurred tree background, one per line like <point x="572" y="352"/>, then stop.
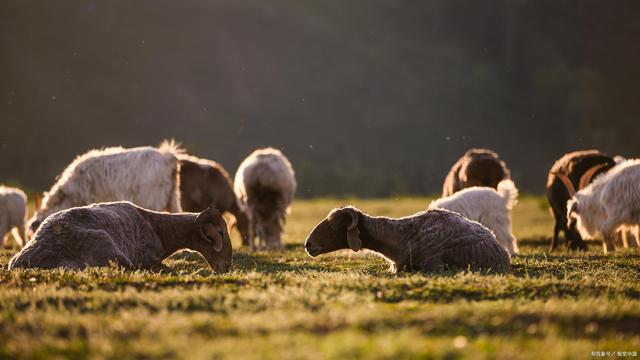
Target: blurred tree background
<point x="366" y="97"/>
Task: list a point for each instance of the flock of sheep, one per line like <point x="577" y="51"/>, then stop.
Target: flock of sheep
<point x="125" y="207"/>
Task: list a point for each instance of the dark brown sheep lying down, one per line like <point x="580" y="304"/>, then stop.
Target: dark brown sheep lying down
<point x="427" y="241"/>
<point x="125" y="234"/>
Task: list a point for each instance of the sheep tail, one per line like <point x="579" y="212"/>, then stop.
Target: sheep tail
<point x="509" y="192"/>
<point x="171" y="147"/>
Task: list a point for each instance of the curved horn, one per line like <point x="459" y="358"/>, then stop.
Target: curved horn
<point x="567" y="183"/>
<point x="586" y="178"/>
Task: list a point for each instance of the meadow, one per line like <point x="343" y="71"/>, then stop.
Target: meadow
<point x="287" y="305"/>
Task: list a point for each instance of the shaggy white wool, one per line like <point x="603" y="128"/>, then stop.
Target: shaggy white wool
<point x="145" y="176"/>
<point x="261" y="176"/>
<point x="610" y="201"/>
<point x="487" y="206"/>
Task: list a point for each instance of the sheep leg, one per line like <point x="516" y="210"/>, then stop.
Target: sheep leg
<point x="609" y="230"/>
<point x="506" y="239"/>
<point x="624" y="237"/>
<point x="3" y="232"/>
<point x="554" y="240"/>
<point x="260" y="233"/>
<point x="631" y="237"/>
<point x="20" y="235"/>
<point x="608" y="244"/>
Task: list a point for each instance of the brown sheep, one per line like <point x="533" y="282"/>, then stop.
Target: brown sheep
<point x="426" y="241"/>
<point x="569" y="174"/>
<point x="124" y="234"/>
<point x="205" y="183"/>
<point x="478" y="167"/>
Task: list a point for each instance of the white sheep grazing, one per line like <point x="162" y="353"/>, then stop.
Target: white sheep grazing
<point x="265" y="185"/>
<point x="13" y="212"/>
<point x="487" y="206"/>
<point x="612" y="200"/>
<point x="145" y="176"/>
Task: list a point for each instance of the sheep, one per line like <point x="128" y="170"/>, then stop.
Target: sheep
<point x="478" y="167"/>
<point x="574" y="170"/>
<point x="627" y="236"/>
<point x="146" y="176"/>
<point x="488" y="207"/>
<point x="205" y="182"/>
<point x="612" y="200"/>
<point x="13" y="212"/>
<point x="265" y="184"/>
<point x="126" y="235"/>
<point x="425" y="242"/>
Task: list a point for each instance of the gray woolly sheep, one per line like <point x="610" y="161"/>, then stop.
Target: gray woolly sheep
<point x="205" y="182"/>
<point x="13" y="212"/>
<point x="146" y="176"/>
<point x="124" y="234"/>
<point x="478" y="167"/>
<point x="426" y="241"/>
<point x="487" y="206"/>
<point x="265" y="184"/>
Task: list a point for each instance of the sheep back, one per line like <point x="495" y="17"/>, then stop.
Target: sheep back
<point x="146" y="176"/>
<point x="267" y="169"/>
<point x="91" y="236"/>
<point x="203" y="182"/>
<point x="446" y="238"/>
<point x="477" y="167"/>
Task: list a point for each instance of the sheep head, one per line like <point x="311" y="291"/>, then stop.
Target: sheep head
<point x="579" y="219"/>
<point x="211" y="239"/>
<point x="338" y="231"/>
<point x="47" y="204"/>
<point x="242" y="223"/>
<point x="572" y="213"/>
<point x="482" y="171"/>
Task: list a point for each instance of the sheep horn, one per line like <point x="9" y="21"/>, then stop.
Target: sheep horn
<point x="567" y="183"/>
<point x="585" y="179"/>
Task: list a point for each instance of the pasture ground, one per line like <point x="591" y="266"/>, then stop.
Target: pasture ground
<point x="286" y="305"/>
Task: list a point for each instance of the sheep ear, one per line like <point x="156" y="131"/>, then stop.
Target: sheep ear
<point x="210" y="235"/>
<point x="353" y="238"/>
<point x="353" y="233"/>
<point x="208" y="232"/>
<point x="573" y="207"/>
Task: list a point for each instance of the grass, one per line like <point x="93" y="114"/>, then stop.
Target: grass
<point x="286" y="305"/>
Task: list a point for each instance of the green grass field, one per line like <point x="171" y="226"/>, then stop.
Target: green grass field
<point x="286" y="305"/>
